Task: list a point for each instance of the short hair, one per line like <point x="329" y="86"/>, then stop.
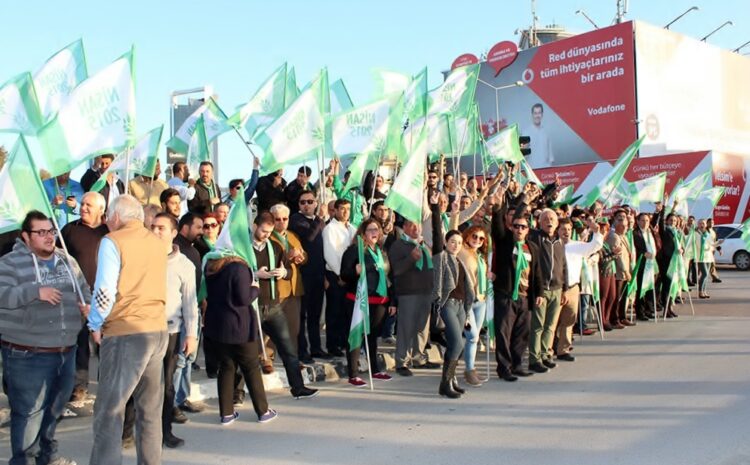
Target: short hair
<point x="177" y="167"/>
<point x="111" y="156"/>
<point x="547" y="211"/>
<point x="264" y="218"/>
<point x="235" y="182"/>
<point x="206" y="163"/>
<point x="151" y="209"/>
<point x="167" y="193"/>
<point x="98" y="199"/>
<point x="280" y="208"/>
<point x="222" y="204"/>
<point x="537" y="105"/>
<point x="306" y="192"/>
<point x="341" y="202"/>
<point x="33" y="215"/>
<point x="451" y="233"/>
<point x="127" y="207"/>
<point x="211" y="215"/>
<point x="648" y="215"/>
<point x="188" y="219"/>
<point x="564" y="221"/>
<point x="379" y="203"/>
<point x="306" y="170"/>
<point x="172" y="221"/>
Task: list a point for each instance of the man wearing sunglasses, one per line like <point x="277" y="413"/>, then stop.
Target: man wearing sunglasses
<point x="517" y="285"/>
<point x="40" y="317"/>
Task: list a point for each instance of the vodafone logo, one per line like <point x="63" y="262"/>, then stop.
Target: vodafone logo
<point x="527" y="76"/>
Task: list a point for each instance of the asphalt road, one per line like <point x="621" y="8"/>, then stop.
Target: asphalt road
<point x="675" y="392"/>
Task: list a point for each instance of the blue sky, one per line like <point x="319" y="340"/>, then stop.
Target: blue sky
<point x="234" y="45"/>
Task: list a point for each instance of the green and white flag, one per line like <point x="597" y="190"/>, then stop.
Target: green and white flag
<point x="415" y="96"/>
<point x="648" y="190"/>
<point x="686" y="191"/>
<point x="19" y="108"/>
<point x="142" y="157"/>
<point x="456" y="94"/>
<point x="677" y="272"/>
<point x="407" y="192"/>
<point x="215" y="122"/>
<point x="704" y="204"/>
<point x="466" y="137"/>
<point x="650" y="267"/>
<point x="388" y="82"/>
<point x="340" y="99"/>
<point x="360" y="326"/>
<point x="98" y="117"/>
<point x="299" y="133"/>
<point x="438" y="133"/>
<point x="21" y="189"/>
<point x="267" y="103"/>
<point x="609" y="183"/>
<point x="235" y="235"/>
<point x="489" y="315"/>
<point x="504" y="146"/>
<point x="363" y="129"/>
<point x="198" y="151"/>
<point x="745" y="236"/>
<point x="565" y="195"/>
<point x="291" y="92"/>
<point x="524" y="169"/>
<point x="58" y="76"/>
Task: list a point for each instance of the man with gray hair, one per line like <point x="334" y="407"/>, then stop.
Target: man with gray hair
<point x="554" y="266"/>
<point x="82" y="238"/>
<point x="128" y="320"/>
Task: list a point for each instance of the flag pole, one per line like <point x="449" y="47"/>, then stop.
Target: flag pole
<point x="260" y="330"/>
<point x="127" y="171"/>
<point x="374" y="182"/>
<point x="68" y="258"/>
<point x="246" y="143"/>
<point x="367" y="349"/>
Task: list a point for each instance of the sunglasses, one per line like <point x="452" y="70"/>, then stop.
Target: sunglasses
<point x="307" y="202"/>
<point x="477" y="237"/>
<point x="520" y="226"/>
<point x="210" y="225"/>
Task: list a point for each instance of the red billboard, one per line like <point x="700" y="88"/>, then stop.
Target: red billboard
<point x="578" y="99"/>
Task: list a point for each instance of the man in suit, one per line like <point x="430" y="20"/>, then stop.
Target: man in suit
<point x="646" y="251"/>
<point x="113" y="188"/>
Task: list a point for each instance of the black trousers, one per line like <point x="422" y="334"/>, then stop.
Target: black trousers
<point x="170" y="366"/>
<point x="512" y="321"/>
<point x="245" y="356"/>
<point x="643" y="305"/>
<point x="276" y="327"/>
<point x="83" y="354"/>
<point x="337" y="329"/>
<point x="377" y="318"/>
<point x="310" y="311"/>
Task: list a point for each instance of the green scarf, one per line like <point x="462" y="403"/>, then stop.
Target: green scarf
<point x="377" y="257"/>
<point x="211" y="189"/>
<point x="481" y="274"/>
<point x="521" y="265"/>
<point x="271" y="263"/>
<point x="283" y="239"/>
<point x="426" y="257"/>
<point x="446" y="221"/>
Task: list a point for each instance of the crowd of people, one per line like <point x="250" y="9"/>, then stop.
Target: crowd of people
<point x="137" y="278"/>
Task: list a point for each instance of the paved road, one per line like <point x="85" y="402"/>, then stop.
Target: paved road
<point x="669" y="393"/>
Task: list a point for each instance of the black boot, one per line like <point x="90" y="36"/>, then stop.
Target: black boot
<point x="446" y="382"/>
<point x="455" y="386"/>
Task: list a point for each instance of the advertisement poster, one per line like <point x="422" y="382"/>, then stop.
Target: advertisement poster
<point x="578" y="99"/>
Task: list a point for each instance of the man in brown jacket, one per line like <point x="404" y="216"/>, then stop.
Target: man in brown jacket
<point x="618" y="243"/>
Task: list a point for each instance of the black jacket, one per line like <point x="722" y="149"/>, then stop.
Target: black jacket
<point x="268" y="195"/>
<point x="407" y="279"/>
<point x="292" y="193"/>
<point x="230" y="318"/>
<point x="310" y="233"/>
<point x="504" y="264"/>
<point x="187" y="249"/>
<point x="90" y="177"/>
<point x="349" y="275"/>
<point x="201" y="203"/>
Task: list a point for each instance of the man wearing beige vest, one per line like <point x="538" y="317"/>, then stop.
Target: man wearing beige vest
<point x="128" y="320"/>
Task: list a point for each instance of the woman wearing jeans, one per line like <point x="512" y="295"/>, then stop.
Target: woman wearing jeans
<point x="454" y="294"/>
<point x="473" y="256"/>
<point x="705" y="246"/>
<point x="231" y="326"/>
<point x="379" y="294"/>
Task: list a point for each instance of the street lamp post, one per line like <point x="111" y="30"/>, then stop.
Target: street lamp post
<point x="583" y="13"/>
<point x="737" y="50"/>
<point x="497" y="97"/>
<point x="692" y="8"/>
<point x="726" y="23"/>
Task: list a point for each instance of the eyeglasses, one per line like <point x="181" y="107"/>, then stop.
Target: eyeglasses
<point x="44" y="232"/>
<point x="210" y="225"/>
<point x="477" y="237"/>
<point x="307" y="202"/>
<point x="369" y="230"/>
<point x="520" y="226"/>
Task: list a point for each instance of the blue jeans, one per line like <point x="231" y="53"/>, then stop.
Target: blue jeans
<point x="703" y="272"/>
<point x="476" y="319"/>
<point x="39" y="385"/>
<point x="454" y="317"/>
